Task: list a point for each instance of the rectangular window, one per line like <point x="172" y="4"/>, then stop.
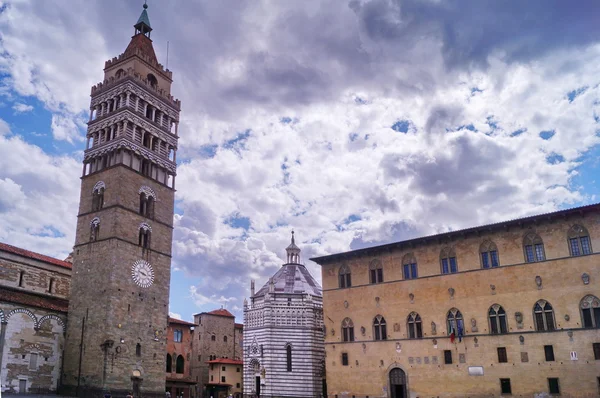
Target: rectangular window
<point x="529" y="254"/>
<point x="406" y="271"/>
<point x="453" y="268"/>
<point x="505" y="386"/>
<point x="549" y="353"/>
<point x="502" y="357"/>
<point x="222" y="379"/>
<point x="485" y="260"/>
<point x="51" y="285"/>
<point x="448" y="357"/>
<point x="494" y="258"/>
<point x="410" y="271"/>
<point x="237" y="370"/>
<point x="413" y="269"/>
<point x="553" y="385"/>
<point x="348" y="280"/>
<point x="574" y="243"/>
<point x="223" y="368"/>
<point x="539" y="252"/>
<point x="493" y="325"/>
<point x="21" y="274"/>
<point x="373" y="276"/>
<point x="33" y="361"/>
<point x="237" y="385"/>
<point x="199" y="358"/>
<point x="177" y="335"/>
<point x="211" y="377"/>
<point x="445" y="266"/>
<point x="587" y="318"/>
<point x="344" y="359"/>
<point x="379" y="275"/>
<point x="351" y="334"/>
<point x="596" y="351"/>
<point x="549" y="321"/>
<point x="585" y="245"/>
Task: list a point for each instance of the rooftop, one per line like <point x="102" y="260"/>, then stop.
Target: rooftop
<point x="459" y="233"/>
<point x="227" y="361"/>
<point x="219" y="312"/>
<point x="34" y="300"/>
<point x="292" y="278"/>
<point x="35" y="256"/>
<point x="180" y="322"/>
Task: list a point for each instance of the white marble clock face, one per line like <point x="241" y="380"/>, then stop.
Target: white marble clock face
<point x="142" y="273"/>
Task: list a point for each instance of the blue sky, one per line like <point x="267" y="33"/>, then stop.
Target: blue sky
<point x="354" y="123"/>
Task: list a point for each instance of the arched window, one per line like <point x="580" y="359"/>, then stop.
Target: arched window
<point x="448" y="261"/>
<point x="544" y="316"/>
<point x="590" y="311"/>
<point x="224" y="339"/>
<point x="180" y="364"/>
<point x="579" y="241"/>
<point x="120" y="73"/>
<point x="409" y="266"/>
<point x="169" y="363"/>
<point x="489" y="254"/>
<point x="94" y="229"/>
<point x="147" y="204"/>
<point x="347" y="330"/>
<point x="454" y="322"/>
<point x="533" y="247"/>
<point x="152" y="80"/>
<point x="145" y="233"/>
<point x="98" y="196"/>
<point x="415" y="327"/>
<point x="213" y="338"/>
<point x="138" y="350"/>
<point x="497" y="317"/>
<point x="379" y="328"/>
<point x="375" y="271"/>
<point x="345" y="278"/>
<point x="288" y="352"/>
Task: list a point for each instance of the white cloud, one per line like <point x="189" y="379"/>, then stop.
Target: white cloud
<point x="175" y="315"/>
<point x="65" y="128"/>
<point x="22" y="108"/>
<point x="4" y="128"/>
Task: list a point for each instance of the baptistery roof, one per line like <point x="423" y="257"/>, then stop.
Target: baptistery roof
<point x="292" y="278"/>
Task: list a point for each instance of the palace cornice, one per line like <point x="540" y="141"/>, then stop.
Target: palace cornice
<point x="410" y="244"/>
<point x="126" y="113"/>
<point x="124" y="142"/>
<point x="130" y="84"/>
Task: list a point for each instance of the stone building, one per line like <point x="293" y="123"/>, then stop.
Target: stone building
<point x="507" y="308"/>
<point x="283" y="334"/>
<point x="180" y="336"/>
<point x="224" y="378"/>
<point x="216" y="336"/>
<point x="122" y="255"/>
<point x="34" y="292"/>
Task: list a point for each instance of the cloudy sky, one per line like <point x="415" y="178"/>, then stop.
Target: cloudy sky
<point x="353" y="122"/>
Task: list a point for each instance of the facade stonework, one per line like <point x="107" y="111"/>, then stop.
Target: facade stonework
<point x="284" y="354"/>
<point x="116" y="334"/>
<point x="180" y="336"/>
<point x="524" y="322"/>
<point x="217" y="335"/>
<point x="34" y="290"/>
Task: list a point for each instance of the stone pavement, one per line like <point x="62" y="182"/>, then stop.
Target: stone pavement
<point x="6" y="395"/>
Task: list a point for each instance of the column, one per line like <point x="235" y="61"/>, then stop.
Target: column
<point x="137" y="103"/>
<point x="87" y="143"/>
<point x="176" y="128"/>
<point x="102" y="110"/>
<point x="169" y="123"/>
<point x="145" y="108"/>
<point x="174" y="155"/>
<point x="153" y="114"/>
<point x="83" y="175"/>
<point x="112" y="132"/>
<point x="91" y="114"/>
<point x="127" y="98"/>
<point x="133" y="132"/>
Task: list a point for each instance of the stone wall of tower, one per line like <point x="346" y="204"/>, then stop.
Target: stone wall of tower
<point x="116" y="333"/>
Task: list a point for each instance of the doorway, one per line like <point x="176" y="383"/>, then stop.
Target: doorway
<point x="398" y="383"/>
<point x="22" y="386"/>
<point x="136" y="386"/>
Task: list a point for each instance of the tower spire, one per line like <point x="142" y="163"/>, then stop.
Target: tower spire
<point x="293" y="252"/>
<point x="143" y="23"/>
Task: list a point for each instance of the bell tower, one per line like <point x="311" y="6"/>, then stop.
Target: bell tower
<point x="122" y="255"/>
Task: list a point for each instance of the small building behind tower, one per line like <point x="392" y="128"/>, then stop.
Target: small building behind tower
<point x="284" y="352"/>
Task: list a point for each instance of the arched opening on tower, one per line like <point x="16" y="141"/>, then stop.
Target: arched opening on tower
<point x="152" y="80"/>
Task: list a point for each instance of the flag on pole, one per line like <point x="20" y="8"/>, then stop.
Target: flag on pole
<point x="452" y="336"/>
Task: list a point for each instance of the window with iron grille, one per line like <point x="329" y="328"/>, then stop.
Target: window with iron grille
<point x="344" y="359"/>
<point x="502" y="357"/>
<point x="448" y="357"/>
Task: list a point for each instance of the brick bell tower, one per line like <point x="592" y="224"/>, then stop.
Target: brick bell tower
<point x="122" y="256"/>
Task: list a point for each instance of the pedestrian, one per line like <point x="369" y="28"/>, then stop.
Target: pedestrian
<point x="130" y="395"/>
<point x="107" y="395"/>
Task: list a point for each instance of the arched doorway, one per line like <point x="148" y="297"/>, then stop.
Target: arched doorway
<point x="398" y="383"/>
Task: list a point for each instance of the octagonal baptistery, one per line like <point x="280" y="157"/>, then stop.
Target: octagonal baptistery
<point x="284" y="353"/>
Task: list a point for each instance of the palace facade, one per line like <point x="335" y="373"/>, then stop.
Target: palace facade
<point x="507" y="308"/>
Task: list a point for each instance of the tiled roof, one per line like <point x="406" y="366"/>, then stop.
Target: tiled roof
<point x="227" y="361"/>
<point x="176" y="380"/>
<point x="180" y="322"/>
<point x="239" y="325"/>
<point x="461" y="232"/>
<point x="221" y="312"/>
<point x="35" y="256"/>
<point x="292" y="278"/>
<point x="33" y="300"/>
<point x="144" y="44"/>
